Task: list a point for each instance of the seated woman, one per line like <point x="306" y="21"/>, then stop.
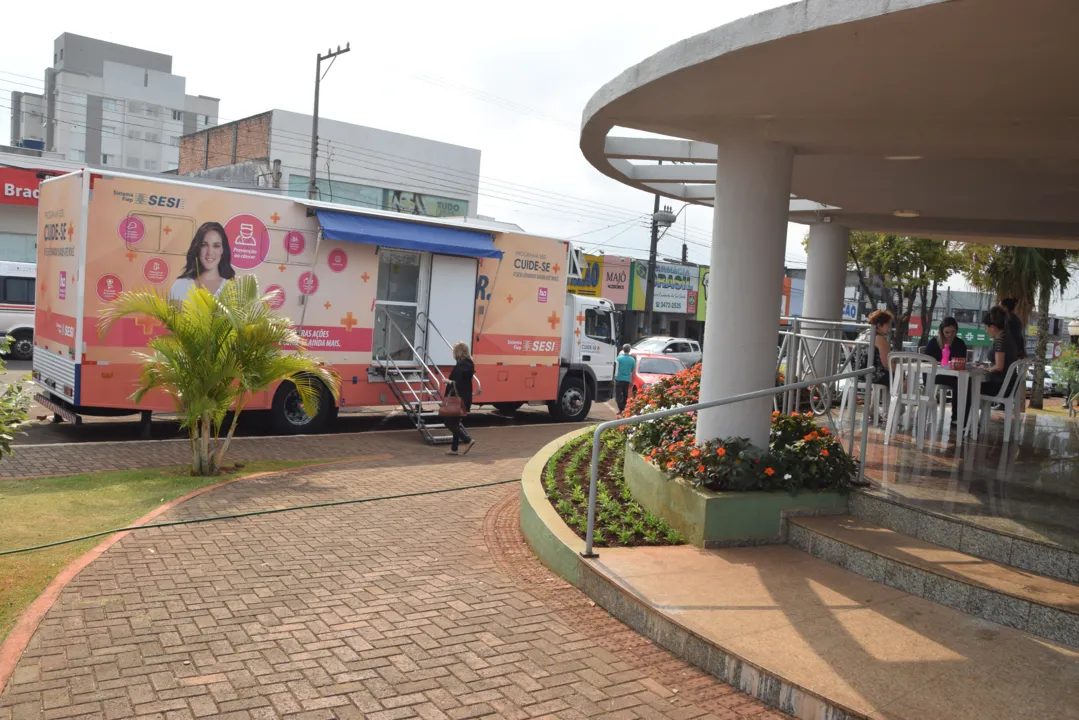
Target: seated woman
<point x="881" y="322"/>
<point x="948" y="337"/>
<point x="1001" y="356"/>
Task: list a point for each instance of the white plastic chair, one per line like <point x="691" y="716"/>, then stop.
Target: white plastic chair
<point x="1016" y="376"/>
<point x="878" y="397"/>
<point x="909" y="370"/>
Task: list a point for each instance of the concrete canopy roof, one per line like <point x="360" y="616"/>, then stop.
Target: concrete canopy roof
<point x="962" y="110"/>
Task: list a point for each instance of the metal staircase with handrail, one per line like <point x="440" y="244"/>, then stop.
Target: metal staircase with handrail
<point x="417" y="383"/>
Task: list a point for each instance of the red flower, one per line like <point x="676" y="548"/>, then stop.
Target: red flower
<point x="670" y="465"/>
<point x="721" y="452"/>
<point x="825" y="431"/>
<point x="700" y="469"/>
<point x="824" y="453"/>
<point x="696" y="452"/>
<point x="769" y="472"/>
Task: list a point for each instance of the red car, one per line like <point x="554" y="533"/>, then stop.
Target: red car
<point x="651" y="368"/>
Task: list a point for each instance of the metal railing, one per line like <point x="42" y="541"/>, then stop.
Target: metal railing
<point x="800" y="354"/>
<point x="767" y="392"/>
<point x="429" y="324"/>
<point x="386" y="357"/>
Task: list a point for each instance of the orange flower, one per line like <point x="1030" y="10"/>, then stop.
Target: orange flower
<point x="824" y="453"/>
<point x="769" y="472"/>
<point x="700" y="469"/>
<point x="794" y="414"/>
<point x="696" y="452"/>
<point x="825" y="431"/>
<point x="670" y="465"/>
<point x="721" y="452"/>
<point x="775" y="414"/>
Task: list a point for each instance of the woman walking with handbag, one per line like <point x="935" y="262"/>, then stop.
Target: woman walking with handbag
<point x="459" y="385"/>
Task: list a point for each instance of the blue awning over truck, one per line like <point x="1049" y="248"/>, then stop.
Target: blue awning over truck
<point x="406" y="235"/>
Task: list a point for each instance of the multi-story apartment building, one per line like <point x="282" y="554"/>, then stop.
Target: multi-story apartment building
<point x="111" y="105"/>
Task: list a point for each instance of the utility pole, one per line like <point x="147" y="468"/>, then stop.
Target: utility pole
<point x="650" y="281"/>
<point x="312" y="184"/>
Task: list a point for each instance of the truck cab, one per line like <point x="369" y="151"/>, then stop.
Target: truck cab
<point x="587" y="361"/>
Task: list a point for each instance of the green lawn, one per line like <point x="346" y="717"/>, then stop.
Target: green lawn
<point x="38" y="511"/>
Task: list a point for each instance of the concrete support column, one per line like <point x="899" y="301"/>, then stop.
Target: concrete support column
<point x="749" y="237"/>
<point x="826" y="271"/>
<point x="826" y="277"/>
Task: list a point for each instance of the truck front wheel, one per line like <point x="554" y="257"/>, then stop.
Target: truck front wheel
<point x="22" y="346"/>
<point x="573" y="402"/>
<point x="287" y="416"/>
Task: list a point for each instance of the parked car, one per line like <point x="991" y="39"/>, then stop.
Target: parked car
<point x="686" y="350"/>
<point x="651" y="368"/>
<point x="17" y="307"/>
<point x="1050" y="387"/>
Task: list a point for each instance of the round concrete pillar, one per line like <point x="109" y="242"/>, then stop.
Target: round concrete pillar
<point x="749" y="235"/>
<point x="826" y="271"/>
<point x="826" y="277"/>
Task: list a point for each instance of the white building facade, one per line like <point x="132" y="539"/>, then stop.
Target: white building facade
<point x="110" y="105"/>
<point x="356" y="165"/>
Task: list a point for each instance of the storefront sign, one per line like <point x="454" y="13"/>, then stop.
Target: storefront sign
<point x="19" y="187"/>
<point x="605" y="276"/>
<point x="674" y="283"/>
<point x="702" y="293"/>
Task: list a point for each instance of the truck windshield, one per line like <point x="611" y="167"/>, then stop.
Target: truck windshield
<point x="660" y="366"/>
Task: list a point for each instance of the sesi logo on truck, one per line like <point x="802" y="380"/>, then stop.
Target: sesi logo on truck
<point x="493" y="344"/>
<point x="542" y="295"/>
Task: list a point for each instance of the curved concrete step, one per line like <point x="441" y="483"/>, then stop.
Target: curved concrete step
<point x="1042" y="606"/>
<point x="980" y="541"/>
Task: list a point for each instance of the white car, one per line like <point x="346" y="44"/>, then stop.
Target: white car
<point x="17" y="307"/>
<point x="686" y="350"/>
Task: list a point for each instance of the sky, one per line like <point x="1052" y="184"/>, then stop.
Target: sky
<point x="510" y="83"/>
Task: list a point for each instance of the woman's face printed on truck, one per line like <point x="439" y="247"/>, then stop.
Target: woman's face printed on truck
<point x="209" y="251"/>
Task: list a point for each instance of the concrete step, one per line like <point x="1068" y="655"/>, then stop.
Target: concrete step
<point x="1039" y="605"/>
<point x="818" y="641"/>
<point x="1024" y="552"/>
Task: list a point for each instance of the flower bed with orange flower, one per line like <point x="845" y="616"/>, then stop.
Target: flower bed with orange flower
<point x="801" y="454"/>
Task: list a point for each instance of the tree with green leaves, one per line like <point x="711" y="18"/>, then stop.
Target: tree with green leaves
<point x="1032" y="276"/>
<point x="896" y="270"/>
<point x="217" y="354"/>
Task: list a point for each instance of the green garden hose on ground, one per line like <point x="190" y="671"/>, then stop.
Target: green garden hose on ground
<point x="253" y="513"/>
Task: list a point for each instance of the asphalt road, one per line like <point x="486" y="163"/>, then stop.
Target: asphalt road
<point x="43" y="431"/>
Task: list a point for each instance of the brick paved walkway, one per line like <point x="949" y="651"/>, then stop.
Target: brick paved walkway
<point x="423" y="607"/>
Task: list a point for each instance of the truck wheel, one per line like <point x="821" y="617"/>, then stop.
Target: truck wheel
<point x="508" y="407"/>
<point x="572" y="404"/>
<point x="22" y="346"/>
<point x="287" y="416"/>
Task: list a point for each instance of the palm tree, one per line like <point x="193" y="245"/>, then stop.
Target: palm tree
<point x="219" y="352"/>
<point x="1031" y="276"/>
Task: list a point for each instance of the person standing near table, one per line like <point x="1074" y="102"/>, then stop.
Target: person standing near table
<point x="623" y="377"/>
<point x="1014" y="327"/>
<point x="948" y="337"/>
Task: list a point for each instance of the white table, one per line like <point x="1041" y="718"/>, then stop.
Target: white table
<point x="969" y="380"/>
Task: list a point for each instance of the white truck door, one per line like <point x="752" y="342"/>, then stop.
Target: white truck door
<point x="451" y="305"/>
<point x="597" y="343"/>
